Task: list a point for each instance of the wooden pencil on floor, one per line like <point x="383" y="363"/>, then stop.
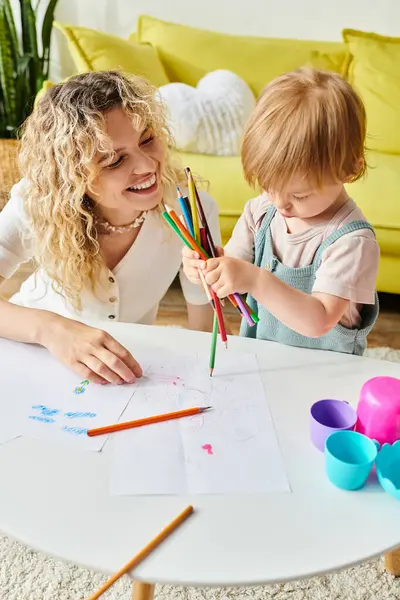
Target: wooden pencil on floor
<point x="136" y="560"/>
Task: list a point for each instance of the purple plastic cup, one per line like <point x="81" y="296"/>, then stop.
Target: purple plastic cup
<point x="328" y="416"/>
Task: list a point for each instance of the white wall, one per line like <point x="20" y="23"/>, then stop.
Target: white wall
<point x="307" y="19"/>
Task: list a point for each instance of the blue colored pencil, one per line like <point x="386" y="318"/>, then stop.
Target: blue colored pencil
<point x="185" y="212"/>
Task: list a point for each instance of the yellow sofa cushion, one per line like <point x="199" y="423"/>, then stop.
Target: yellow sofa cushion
<point x="378" y="195"/>
<point x="188" y="53"/>
<point x="375" y="73"/>
<point x="93" y="50"/>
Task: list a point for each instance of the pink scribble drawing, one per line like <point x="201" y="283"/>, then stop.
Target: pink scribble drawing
<point x="208" y="448"/>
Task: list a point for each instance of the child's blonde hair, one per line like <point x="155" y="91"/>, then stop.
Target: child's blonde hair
<point x="58" y="145"/>
<point x="306" y="123"/>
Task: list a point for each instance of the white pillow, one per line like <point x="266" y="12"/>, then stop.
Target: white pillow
<point x="210" y="118"/>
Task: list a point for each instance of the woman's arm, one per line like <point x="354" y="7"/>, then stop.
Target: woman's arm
<point x="92" y="353"/>
<point x="200" y="316"/>
<point x="22" y="324"/>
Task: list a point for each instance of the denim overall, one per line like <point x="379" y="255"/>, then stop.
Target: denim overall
<point x="339" y="339"/>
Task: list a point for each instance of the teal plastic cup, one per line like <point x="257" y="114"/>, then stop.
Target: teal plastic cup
<point x="349" y="458"/>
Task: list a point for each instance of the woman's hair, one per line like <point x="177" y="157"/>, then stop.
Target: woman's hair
<point x="306" y="123"/>
<point x="58" y="145"/>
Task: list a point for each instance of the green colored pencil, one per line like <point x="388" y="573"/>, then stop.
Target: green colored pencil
<point x="174" y="227"/>
<point x="213" y="344"/>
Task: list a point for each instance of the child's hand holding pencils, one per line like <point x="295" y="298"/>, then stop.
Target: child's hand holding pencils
<point x="193" y="230"/>
<point x="227" y="275"/>
<point x="192" y="262"/>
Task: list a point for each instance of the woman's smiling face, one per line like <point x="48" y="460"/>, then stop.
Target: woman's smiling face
<point x="129" y="180"/>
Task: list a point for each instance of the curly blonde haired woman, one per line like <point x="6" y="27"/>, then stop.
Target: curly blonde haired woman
<point x="96" y="167"/>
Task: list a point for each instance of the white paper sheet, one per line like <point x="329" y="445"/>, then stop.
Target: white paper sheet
<point x="233" y="448"/>
<point x="41" y="398"/>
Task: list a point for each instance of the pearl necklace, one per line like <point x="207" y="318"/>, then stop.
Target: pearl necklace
<point x="108" y="228"/>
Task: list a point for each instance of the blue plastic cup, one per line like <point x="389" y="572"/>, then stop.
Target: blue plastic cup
<point x="349" y="458"/>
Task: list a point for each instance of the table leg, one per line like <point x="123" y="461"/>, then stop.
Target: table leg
<point x="142" y="591"/>
<point x="392" y="562"/>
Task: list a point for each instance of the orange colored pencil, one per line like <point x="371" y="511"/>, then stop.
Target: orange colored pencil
<point x="186" y="234"/>
<point x="145" y="552"/>
<point x="187" y="412"/>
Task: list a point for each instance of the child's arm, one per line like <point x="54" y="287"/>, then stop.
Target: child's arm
<point x="310" y="315"/>
<point x="347" y="273"/>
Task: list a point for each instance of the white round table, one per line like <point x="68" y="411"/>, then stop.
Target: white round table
<point x="57" y="500"/>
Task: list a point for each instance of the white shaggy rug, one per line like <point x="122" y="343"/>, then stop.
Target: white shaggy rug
<point x="29" y="575"/>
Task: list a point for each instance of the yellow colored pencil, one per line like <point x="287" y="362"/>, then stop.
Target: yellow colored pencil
<point x="193" y="207"/>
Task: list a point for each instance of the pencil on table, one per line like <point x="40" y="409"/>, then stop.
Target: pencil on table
<point x="136" y="560"/>
<point x="187" y="412"/>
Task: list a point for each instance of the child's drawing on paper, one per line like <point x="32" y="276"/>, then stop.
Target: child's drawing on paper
<point x="75" y="430"/>
<point x="45" y="410"/>
<point x="80" y="415"/>
<point x="208" y="448"/>
<point x="81" y="387"/>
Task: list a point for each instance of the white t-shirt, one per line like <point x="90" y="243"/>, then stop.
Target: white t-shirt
<point x="135" y="286"/>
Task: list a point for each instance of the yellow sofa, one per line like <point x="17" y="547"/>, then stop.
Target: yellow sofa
<point x="165" y="51"/>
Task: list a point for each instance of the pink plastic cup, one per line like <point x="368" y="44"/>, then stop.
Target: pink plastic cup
<point x="378" y="410"/>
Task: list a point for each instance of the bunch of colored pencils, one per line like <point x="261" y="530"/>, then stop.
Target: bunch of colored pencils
<point x="193" y="229"/>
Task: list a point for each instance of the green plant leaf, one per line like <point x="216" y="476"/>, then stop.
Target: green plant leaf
<point x="29" y="42"/>
<point x="6" y="71"/>
<point x="23" y="87"/>
<point x="11" y="25"/>
<point x="47" y="28"/>
<point x="22" y="70"/>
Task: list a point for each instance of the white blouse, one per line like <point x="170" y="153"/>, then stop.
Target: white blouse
<point x="135" y="286"/>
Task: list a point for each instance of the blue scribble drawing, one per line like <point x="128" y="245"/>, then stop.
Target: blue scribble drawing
<point x="42" y="419"/>
<point x="81" y="387"/>
<point x="80" y="415"/>
<point x="44" y="410"/>
<point x="75" y="430"/>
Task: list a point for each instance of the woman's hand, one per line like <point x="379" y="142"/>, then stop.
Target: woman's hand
<point x="192" y="262"/>
<point x="92" y="353"/>
<point x="227" y="275"/>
